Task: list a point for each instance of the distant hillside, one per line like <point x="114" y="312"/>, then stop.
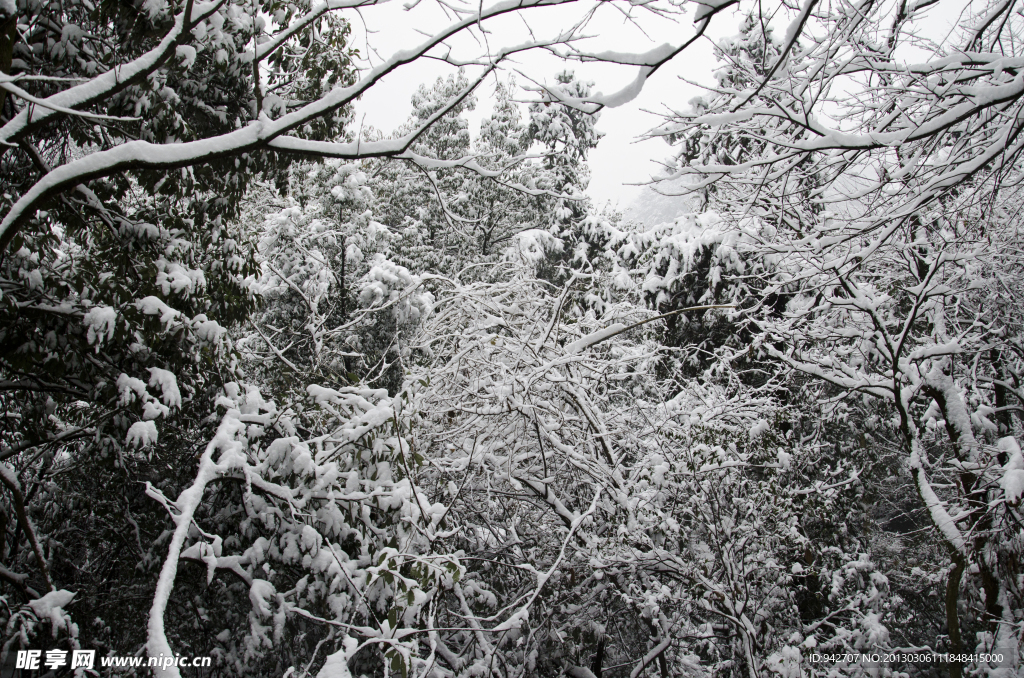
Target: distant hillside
<point x="650" y="207"/>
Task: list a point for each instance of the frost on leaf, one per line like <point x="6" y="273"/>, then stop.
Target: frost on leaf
<point x="51" y="607"/>
<point x="1012" y="480"/>
<point x="168" y="385"/>
<point x="141" y="434"/>
<point x="102" y="322"/>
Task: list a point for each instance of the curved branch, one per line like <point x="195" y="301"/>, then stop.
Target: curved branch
<point x="10" y="480"/>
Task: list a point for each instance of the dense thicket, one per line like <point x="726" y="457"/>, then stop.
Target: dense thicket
<point x="317" y="401"/>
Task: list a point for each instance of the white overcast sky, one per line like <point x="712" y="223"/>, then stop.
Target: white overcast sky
<point x="620" y="162"/>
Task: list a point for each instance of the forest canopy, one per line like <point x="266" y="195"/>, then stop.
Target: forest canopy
<point x="311" y="398"/>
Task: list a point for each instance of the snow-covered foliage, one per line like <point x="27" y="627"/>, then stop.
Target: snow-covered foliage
<point x="887" y="239"/>
<point x="412" y="407"/>
<point x="447" y="216"/>
<point x="325" y="263"/>
<point x="567" y="134"/>
<point x="332" y="530"/>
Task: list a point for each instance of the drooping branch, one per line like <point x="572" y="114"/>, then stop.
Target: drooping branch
<point x="10" y="480"/>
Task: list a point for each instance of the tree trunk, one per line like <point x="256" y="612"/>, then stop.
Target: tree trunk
<point x="1003" y="417"/>
<point x="595" y="666"/>
<point x="952" y="615"/>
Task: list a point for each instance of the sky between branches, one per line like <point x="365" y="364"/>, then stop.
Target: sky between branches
<point x="621" y="163"/>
